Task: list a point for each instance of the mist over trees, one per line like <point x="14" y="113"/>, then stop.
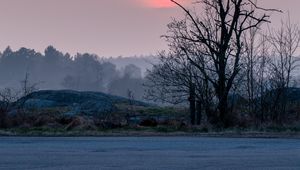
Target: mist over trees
<point x="56" y="70"/>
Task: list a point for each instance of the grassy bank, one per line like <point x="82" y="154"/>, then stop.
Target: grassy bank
<point x="154" y="131"/>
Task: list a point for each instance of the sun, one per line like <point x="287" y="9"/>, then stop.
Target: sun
<point x="160" y="3"/>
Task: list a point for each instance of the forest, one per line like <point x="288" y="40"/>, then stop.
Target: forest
<point x="56" y="70"/>
<point x="226" y="68"/>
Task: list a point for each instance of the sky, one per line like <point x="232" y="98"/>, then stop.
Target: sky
<point x="104" y="27"/>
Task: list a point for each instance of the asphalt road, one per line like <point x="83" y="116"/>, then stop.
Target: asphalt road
<point x="149" y="153"/>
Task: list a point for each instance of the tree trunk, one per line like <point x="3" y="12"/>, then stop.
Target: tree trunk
<point x="192" y="100"/>
<point x="222" y="95"/>
<point x="223" y="108"/>
<point x="199" y="113"/>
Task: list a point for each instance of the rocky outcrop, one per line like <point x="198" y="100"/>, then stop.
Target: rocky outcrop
<point x="86" y="103"/>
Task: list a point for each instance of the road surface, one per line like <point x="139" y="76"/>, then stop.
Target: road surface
<point x="149" y="153"/>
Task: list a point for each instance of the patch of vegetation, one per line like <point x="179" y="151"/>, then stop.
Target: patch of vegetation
<point x="166" y="111"/>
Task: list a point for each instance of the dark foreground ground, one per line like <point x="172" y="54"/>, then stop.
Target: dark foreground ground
<point x="148" y="153"/>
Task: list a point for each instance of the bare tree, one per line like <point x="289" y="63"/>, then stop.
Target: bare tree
<point x="168" y="81"/>
<point x="285" y="43"/>
<point x="7" y="96"/>
<point x="130" y="96"/>
<point x="250" y="65"/>
<point x="213" y="43"/>
<point x="27" y="86"/>
<point x="174" y="81"/>
<point x="263" y="76"/>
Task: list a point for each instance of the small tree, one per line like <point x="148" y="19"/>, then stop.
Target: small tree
<point x="7" y="96"/>
<point x="27" y="87"/>
<point x="174" y="81"/>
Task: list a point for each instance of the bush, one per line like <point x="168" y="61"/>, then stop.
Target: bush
<point x="3" y="119"/>
<point x="149" y="122"/>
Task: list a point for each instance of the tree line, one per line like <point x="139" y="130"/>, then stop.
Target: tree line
<point x="26" y="68"/>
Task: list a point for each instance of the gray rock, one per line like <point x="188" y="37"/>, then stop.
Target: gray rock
<point x="87" y="103"/>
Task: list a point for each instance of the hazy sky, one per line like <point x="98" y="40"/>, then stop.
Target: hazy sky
<point x="104" y="27"/>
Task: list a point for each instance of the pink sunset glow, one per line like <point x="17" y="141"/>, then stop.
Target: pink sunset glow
<point x="104" y="27"/>
<point x="160" y="3"/>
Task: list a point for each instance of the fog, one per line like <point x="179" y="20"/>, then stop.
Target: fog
<point x="83" y="72"/>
